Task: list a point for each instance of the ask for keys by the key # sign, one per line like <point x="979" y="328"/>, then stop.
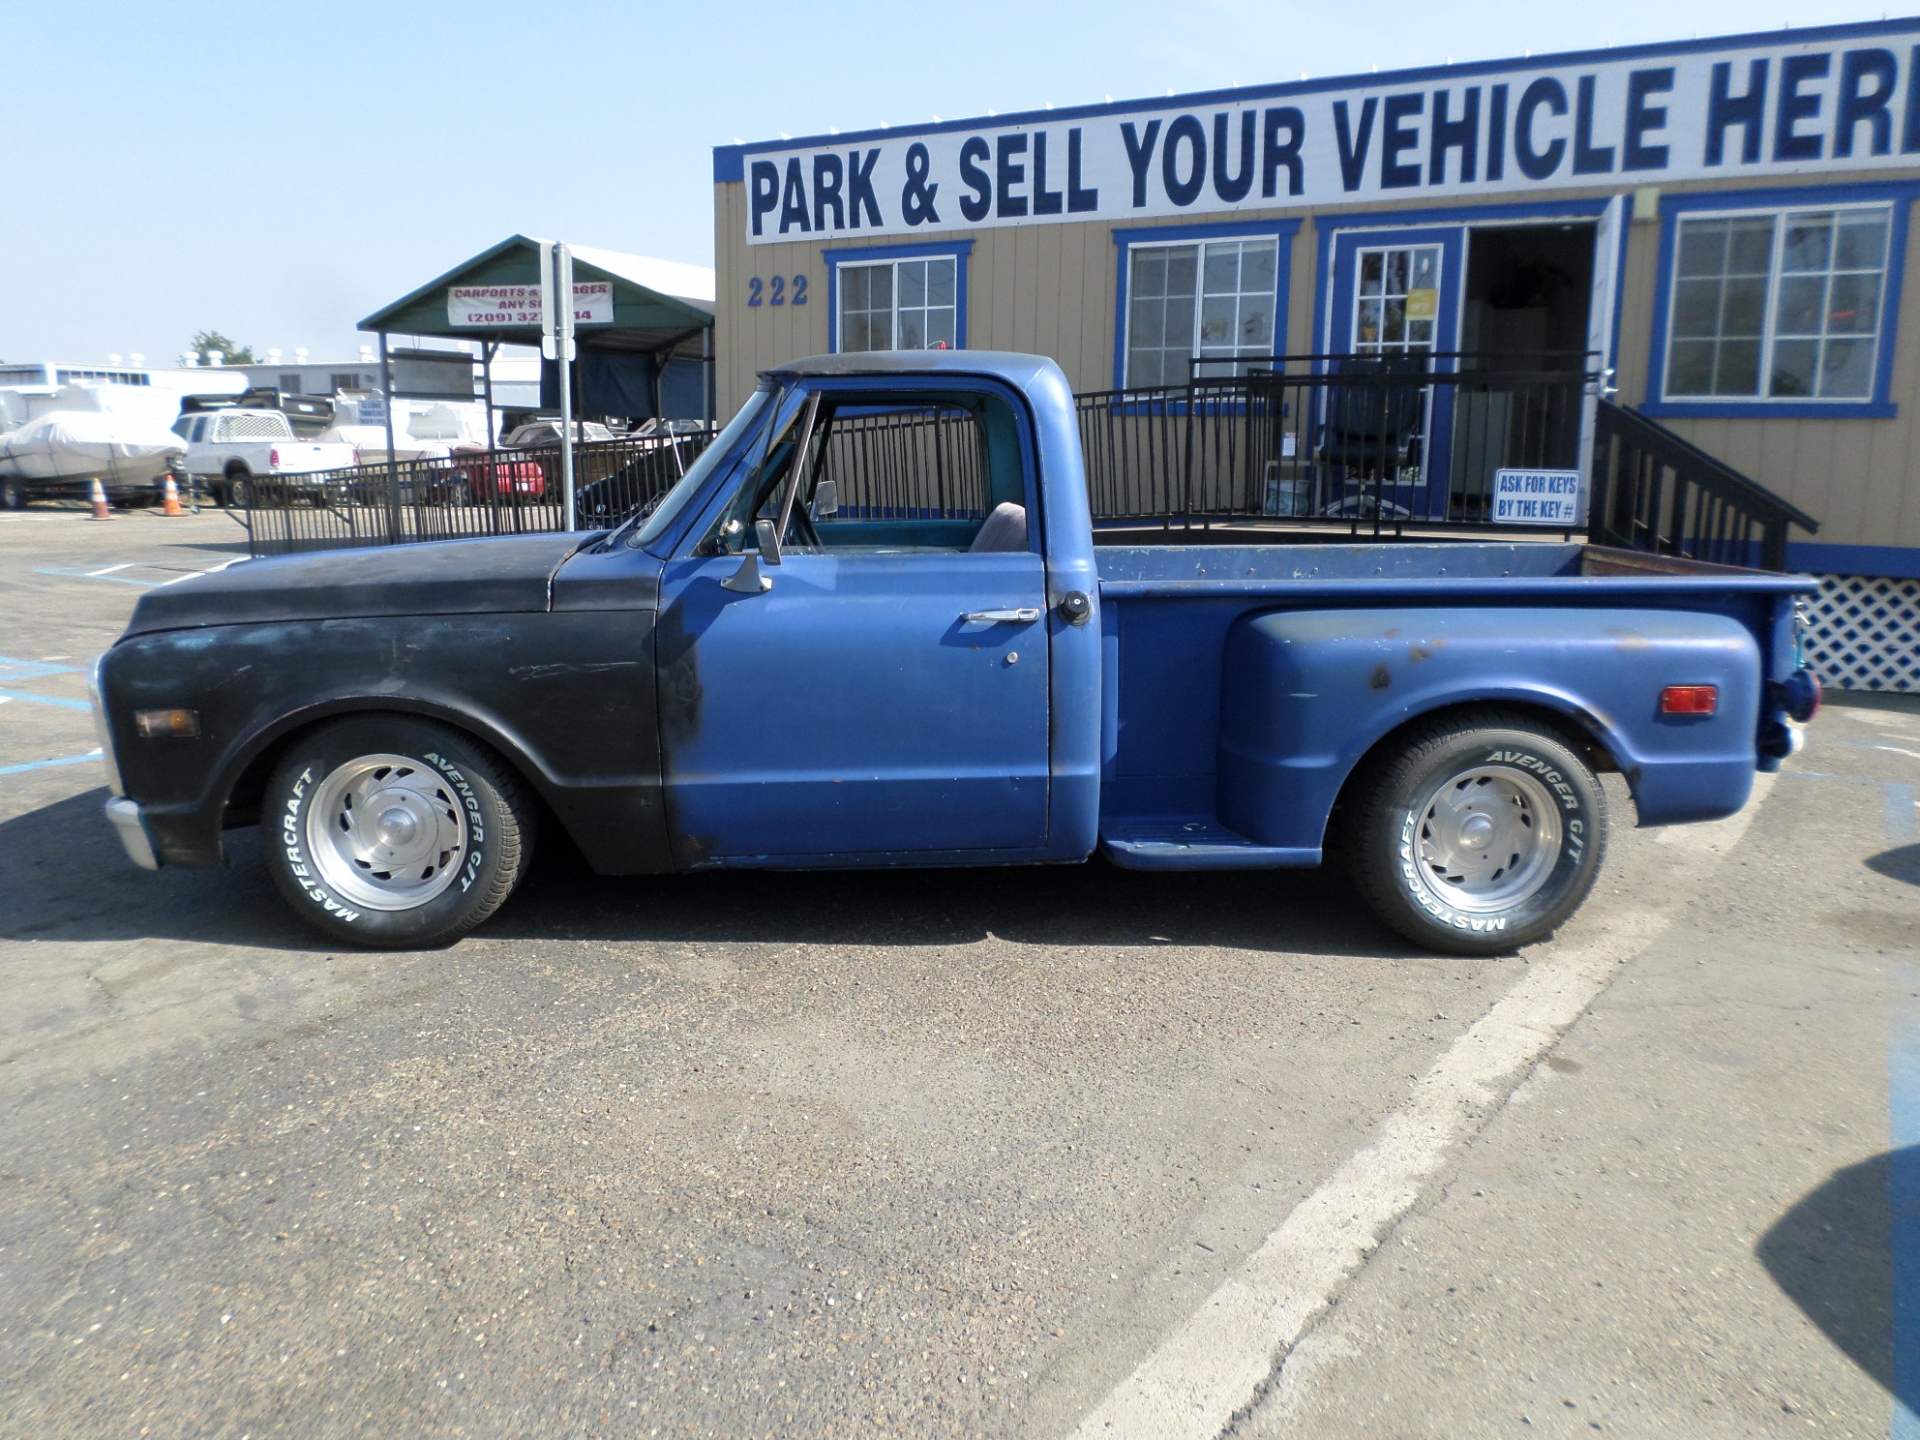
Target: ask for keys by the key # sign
<point x="1653" y="117"/>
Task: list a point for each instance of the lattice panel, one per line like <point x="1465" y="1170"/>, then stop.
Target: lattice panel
<point x="1865" y="633"/>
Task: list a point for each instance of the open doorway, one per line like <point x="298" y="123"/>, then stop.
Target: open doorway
<point x="1529" y="290"/>
<point x="1524" y="317"/>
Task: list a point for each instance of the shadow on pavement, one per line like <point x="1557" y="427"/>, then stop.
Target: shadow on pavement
<point x="68" y="879"/>
<point x="1902" y="863"/>
<point x="1830" y="1254"/>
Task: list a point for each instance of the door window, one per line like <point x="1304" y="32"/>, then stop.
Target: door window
<point x="1397" y="300"/>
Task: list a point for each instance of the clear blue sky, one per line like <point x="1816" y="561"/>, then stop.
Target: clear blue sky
<point x="277" y="171"/>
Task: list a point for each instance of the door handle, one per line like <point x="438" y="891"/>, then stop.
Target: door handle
<point x="1022" y="616"/>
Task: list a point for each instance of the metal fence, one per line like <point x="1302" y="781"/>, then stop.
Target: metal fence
<point x="478" y="492"/>
<point x="1363" y="444"/>
<point x="1654" y="491"/>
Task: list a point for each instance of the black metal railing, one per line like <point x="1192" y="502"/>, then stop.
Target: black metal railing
<point x="1653" y="490"/>
<point x="1362" y="443"/>
<point x="475" y="492"/>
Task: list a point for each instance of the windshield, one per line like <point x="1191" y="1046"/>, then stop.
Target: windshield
<point x="675" y="500"/>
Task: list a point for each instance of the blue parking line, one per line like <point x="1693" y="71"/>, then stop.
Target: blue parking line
<point x="48" y="764"/>
<point x="89" y="575"/>
<point x="46" y="700"/>
<point x="13" y="669"/>
<point x="1903" y="1220"/>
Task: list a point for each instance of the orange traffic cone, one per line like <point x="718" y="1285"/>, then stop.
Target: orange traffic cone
<point x="98" y="499"/>
<point x="170" y="498"/>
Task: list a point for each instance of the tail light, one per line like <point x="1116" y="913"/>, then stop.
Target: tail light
<point x="1801" y="695"/>
<point x="273" y="457"/>
<point x="1689" y="699"/>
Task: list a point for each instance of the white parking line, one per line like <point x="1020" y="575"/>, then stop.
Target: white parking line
<point x="1219" y="1360"/>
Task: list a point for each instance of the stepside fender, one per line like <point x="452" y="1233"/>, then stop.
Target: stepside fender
<point x="1306" y="695"/>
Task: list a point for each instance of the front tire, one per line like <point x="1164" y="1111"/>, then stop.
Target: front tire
<point x="394" y="833"/>
<point x="1478" y="834"/>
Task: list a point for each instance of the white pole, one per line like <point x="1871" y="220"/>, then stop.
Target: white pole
<point x="563" y="313"/>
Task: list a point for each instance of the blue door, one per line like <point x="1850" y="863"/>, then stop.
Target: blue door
<point x="887" y="696"/>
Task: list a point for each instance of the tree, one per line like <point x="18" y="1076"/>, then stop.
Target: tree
<point x="229" y="353"/>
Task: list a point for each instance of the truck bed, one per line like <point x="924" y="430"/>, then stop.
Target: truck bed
<point x="1169" y="615"/>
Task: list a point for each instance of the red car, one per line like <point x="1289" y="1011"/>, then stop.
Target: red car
<point x="475" y="476"/>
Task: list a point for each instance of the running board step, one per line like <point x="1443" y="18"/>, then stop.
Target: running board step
<point x="1193" y="843"/>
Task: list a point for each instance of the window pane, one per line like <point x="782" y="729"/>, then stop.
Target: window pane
<point x="1703" y="247"/>
<point x="1258" y="267"/>
<point x="880" y="296"/>
<point x="1179" y="322"/>
<point x="1737" y="370"/>
<point x="1809" y="243"/>
<point x="1256" y="323"/>
<point x="1217" y="323"/>
<point x="1396" y="278"/>
<point x="1223" y="269"/>
<point x="940" y="282"/>
<point x="1853" y="305"/>
<point x="1794" y="363"/>
<point x="1690" y="368"/>
<point x="1696" y="308"/>
<point x="1861" y="242"/>
<point x="1148" y="323"/>
<point x="1750" y="245"/>
<point x="853" y="286"/>
<point x="1182" y="266"/>
<point x="913" y="282"/>
<point x="1426" y="268"/>
<point x="1369" y="321"/>
<point x="1802" y="305"/>
<point x="940" y="328"/>
<point x="1149" y="273"/>
<point x="1370" y="273"/>
<point x="1743" y="308"/>
<point x="1395" y="326"/>
<point x="1846" y="373"/>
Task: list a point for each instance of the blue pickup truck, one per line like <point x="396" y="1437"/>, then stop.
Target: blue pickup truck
<point x="875" y="625"/>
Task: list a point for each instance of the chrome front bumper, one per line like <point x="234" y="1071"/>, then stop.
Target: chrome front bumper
<point x="125" y="816"/>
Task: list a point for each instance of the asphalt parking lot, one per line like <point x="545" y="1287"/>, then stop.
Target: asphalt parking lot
<point x="959" y="1153"/>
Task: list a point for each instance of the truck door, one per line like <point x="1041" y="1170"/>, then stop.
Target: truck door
<point x="882" y="689"/>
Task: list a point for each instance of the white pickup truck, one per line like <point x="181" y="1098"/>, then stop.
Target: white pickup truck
<point x="229" y="449"/>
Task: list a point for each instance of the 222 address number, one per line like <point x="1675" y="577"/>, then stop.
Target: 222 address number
<point x="775" y="291"/>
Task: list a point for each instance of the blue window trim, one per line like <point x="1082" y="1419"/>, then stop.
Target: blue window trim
<point x="729" y="161"/>
<point x="1126" y="237"/>
<point x="1453" y="218"/>
<point x="961" y="250"/>
<point x="1672" y="207"/>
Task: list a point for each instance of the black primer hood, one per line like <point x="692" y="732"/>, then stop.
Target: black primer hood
<point x="491" y="575"/>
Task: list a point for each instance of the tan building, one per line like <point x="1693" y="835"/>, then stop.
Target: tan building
<point x="1720" y="224"/>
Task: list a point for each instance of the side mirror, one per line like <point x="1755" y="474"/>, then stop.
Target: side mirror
<point x="748" y="580"/>
<point x="826" y="501"/>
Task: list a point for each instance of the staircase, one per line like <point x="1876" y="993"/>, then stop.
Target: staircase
<point x="1654" y="491"/>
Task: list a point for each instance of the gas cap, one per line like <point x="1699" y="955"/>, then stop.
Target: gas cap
<point x="1075" y="607"/>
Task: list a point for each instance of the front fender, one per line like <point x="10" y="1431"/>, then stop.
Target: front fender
<point x="567" y="698"/>
<point x="1307" y="694"/>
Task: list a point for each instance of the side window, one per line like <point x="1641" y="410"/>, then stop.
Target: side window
<point x="889" y="474"/>
<point x="217" y="430"/>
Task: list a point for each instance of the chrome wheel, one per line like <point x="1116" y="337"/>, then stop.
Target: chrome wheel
<point x="386" y="832"/>
<point x="1487" y="839"/>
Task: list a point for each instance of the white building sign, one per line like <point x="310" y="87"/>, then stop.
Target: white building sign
<point x="1537" y="497"/>
<point x="1651" y="117"/>
<point x="488" y="306"/>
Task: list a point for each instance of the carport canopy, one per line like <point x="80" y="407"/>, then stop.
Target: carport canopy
<point x="661" y="308"/>
<point x="657" y="304"/>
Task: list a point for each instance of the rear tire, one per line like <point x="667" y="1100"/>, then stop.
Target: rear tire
<point x="13" y="495"/>
<point x="394" y="833"/>
<point x="1479" y="833"/>
<point x="240" y="490"/>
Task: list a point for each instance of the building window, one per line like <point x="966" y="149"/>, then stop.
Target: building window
<point x="1210" y="300"/>
<point x="342" y="383"/>
<point x="289" y="384"/>
<point x="1397" y="300"/>
<point x="1780" y="306"/>
<point x="907" y="304"/>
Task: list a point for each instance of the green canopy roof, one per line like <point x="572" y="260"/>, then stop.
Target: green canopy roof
<point x="657" y="304"/>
